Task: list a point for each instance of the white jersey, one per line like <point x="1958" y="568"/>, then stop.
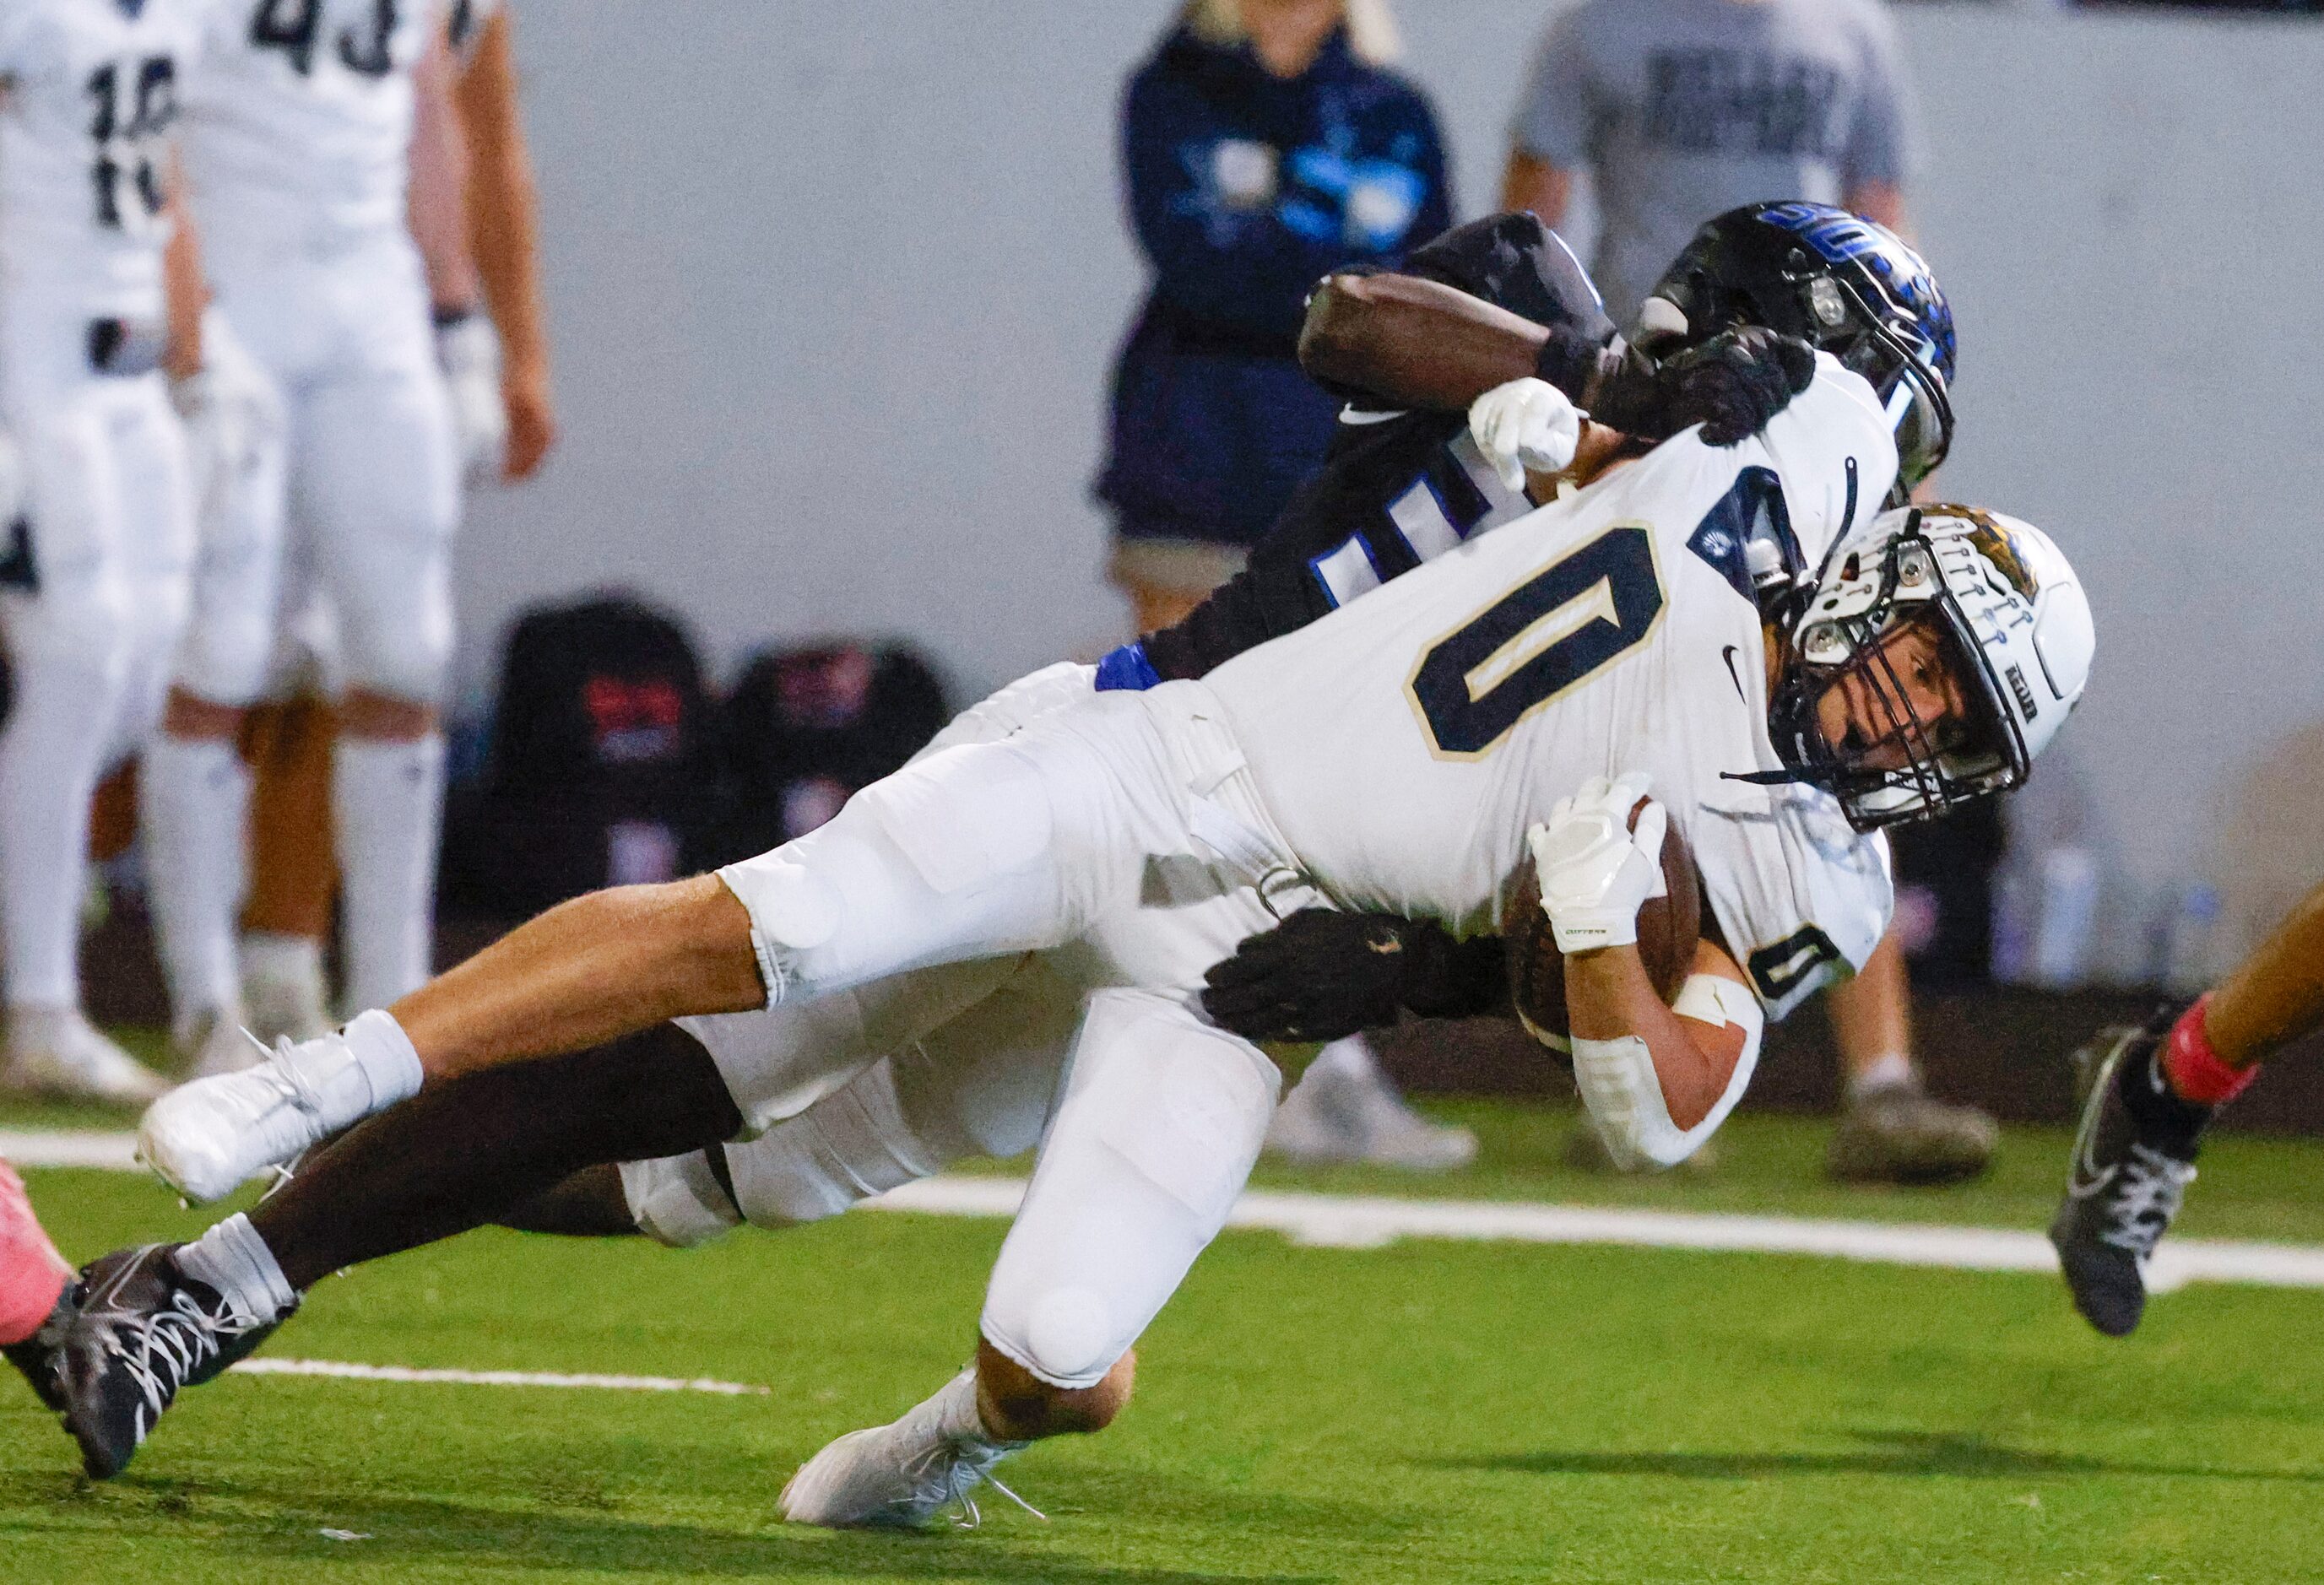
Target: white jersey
<point x="298" y="130"/>
<point x="91" y="88"/>
<point x="1403" y="744"/>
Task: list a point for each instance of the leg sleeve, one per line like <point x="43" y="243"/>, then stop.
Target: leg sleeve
<point x="1160" y="1122"/>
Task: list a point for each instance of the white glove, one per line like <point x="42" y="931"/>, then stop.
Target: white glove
<point x="1525" y="424"/>
<point x="231" y="411"/>
<point x="469" y="349"/>
<point x="1596" y="872"/>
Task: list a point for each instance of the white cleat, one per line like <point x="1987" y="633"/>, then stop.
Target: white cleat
<point x="903" y="1474"/>
<point x="214" y="1042"/>
<point x="1345" y="1110"/>
<point x="208" y="1138"/>
<point x="57" y="1051"/>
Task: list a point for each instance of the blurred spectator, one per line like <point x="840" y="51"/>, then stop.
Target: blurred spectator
<point x="1264" y="143"/>
<point x="1682" y="109"/>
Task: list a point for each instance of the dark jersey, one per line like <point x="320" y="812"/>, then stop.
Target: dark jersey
<point x="1395" y="488"/>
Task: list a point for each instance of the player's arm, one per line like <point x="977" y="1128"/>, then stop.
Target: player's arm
<point x="504" y="232"/>
<point x="587" y="972"/>
<point x="436" y="203"/>
<point x="1412" y="343"/>
<point x="184" y="291"/>
<point x="1657" y="1079"/>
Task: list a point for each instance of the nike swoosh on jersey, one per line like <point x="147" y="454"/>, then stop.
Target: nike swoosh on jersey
<point x="1728" y="655"/>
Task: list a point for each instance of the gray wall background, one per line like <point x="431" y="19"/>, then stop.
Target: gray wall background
<point x="834" y="288"/>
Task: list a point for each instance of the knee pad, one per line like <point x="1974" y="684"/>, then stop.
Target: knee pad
<point x="1162" y="1119"/>
<point x="398" y="645"/>
<point x="849" y="1146"/>
<point x="677" y="1200"/>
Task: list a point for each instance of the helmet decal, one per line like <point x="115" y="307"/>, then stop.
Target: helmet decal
<point x="1998" y="544"/>
<point x="1840" y="237"/>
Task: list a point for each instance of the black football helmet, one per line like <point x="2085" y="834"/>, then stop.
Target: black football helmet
<point x="1845" y="284"/>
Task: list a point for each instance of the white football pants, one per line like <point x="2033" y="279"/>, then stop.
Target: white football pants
<point x="1117" y="839"/>
<point x="369" y="479"/>
<point x="91" y="622"/>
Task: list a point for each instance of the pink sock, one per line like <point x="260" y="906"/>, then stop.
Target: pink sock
<point x="2194" y="1070"/>
<point x="33" y="1274"/>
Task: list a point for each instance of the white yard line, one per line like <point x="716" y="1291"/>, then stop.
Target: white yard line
<point x="65" y="1148"/>
<point x="343" y="1371"/>
<point x="1366" y="1222"/>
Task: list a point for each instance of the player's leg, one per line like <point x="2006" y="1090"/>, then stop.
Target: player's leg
<point x="462" y="1153"/>
<point x="379" y="486"/>
<point x="155" y="1319"/>
<point x="195" y="787"/>
<point x="983" y="1084"/>
<point x="34" y="1278"/>
<point x="1891" y="1129"/>
<point x="2154" y="1091"/>
<point x="286" y="914"/>
<point x="70" y="628"/>
<point x="983" y="851"/>
<point x="1159" y="1126"/>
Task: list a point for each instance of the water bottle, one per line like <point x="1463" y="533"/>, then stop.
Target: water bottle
<point x="2069" y="881"/>
<point x="2193" y="926"/>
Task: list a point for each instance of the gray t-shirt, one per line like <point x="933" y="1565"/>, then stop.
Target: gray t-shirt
<point x="1682" y="109"/>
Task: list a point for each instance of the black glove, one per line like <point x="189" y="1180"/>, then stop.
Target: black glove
<point x="1732" y="385"/>
<point x="1321" y="975"/>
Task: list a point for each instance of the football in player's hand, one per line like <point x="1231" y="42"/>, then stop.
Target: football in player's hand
<point x="1668" y="929"/>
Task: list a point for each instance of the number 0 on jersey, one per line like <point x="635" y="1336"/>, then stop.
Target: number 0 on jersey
<point x="1550" y="633"/>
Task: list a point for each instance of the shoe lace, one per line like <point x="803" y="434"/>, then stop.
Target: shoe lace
<point x="945" y="1476"/>
<point x="2146" y="1196"/>
<point x="166" y="1346"/>
<point x="296" y="1089"/>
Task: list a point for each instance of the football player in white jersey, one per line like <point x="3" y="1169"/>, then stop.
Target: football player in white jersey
<point x="100" y="540"/>
<point x="298" y="140"/>
<point x="1131" y="840"/>
<point x="472" y="213"/>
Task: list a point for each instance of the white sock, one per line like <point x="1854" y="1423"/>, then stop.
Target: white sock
<point x="194" y="797"/>
<point x="235" y="1261"/>
<point x="387" y="796"/>
<point x="282" y="960"/>
<point x="958" y="1416"/>
<point x="1885" y="1072"/>
<point x="50" y="755"/>
<point x="365" y="1068"/>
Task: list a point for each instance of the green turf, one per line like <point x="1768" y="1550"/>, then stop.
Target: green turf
<point x="1423" y="1412"/>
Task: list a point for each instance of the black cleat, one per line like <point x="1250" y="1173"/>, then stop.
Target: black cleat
<point x="144" y="1330"/>
<point x="2133" y="1158"/>
<point x="37" y="1356"/>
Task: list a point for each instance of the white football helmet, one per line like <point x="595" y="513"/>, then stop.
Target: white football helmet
<point x="2014" y="628"/>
